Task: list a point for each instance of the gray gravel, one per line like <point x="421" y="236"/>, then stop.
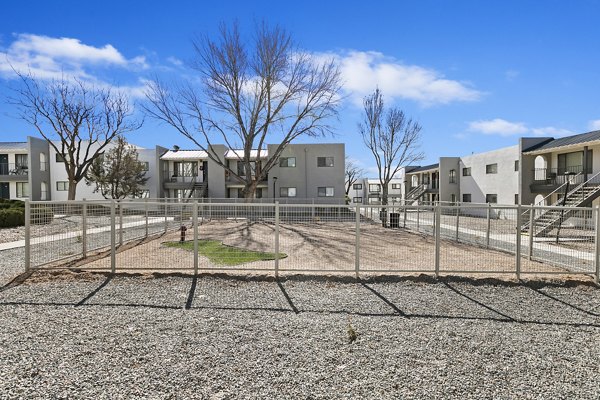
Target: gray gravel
<point x="87" y="336"/>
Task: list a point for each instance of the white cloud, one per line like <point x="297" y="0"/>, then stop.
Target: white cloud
<point x="502" y="127"/>
<point x="363" y="71"/>
<point x="594" y="125"/>
<point x="175" y="61"/>
<point x="498" y="126"/>
<point x="54" y="58"/>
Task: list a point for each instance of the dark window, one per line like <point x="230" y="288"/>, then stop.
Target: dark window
<point x="466" y="198"/>
<point x="325" y="192"/>
<point x="452" y="176"/>
<point x="288" y="162"/>
<point x="62" y="186"/>
<point x="491" y="169"/>
<point x="357" y="199"/>
<point x="395" y="186"/>
<point x="241" y="168"/>
<point x="491" y="198"/>
<point x="287" y="192"/>
<point x="516" y="165"/>
<point x="374" y="188"/>
<point x="59" y="158"/>
<point x="324" y="161"/>
<point x="516" y="199"/>
<point x="467" y="171"/>
<point x="357" y="186"/>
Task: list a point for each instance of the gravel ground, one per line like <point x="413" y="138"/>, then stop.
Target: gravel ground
<point x="87" y="336"/>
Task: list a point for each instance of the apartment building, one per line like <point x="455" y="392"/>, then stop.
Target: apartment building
<point x="303" y="171"/>
<point x="369" y="190"/>
<point x="33" y="170"/>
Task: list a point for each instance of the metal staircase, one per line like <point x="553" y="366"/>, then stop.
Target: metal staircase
<point x="581" y="196"/>
<point x="416" y="193"/>
<point x="198" y="187"/>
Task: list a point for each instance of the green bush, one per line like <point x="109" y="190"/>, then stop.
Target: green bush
<point x="41" y="215"/>
<point x="11" y="217"/>
<point x="4" y="204"/>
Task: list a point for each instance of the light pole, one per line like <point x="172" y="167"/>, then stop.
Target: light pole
<point x="274" y="182"/>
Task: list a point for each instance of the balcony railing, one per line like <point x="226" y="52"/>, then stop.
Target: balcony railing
<point x="13" y="169"/>
<point x="558" y="176"/>
<point x="178" y="177"/>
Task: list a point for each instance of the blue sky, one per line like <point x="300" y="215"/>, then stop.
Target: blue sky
<point x="477" y="75"/>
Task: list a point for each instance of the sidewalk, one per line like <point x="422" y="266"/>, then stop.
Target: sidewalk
<point x="74" y="234"/>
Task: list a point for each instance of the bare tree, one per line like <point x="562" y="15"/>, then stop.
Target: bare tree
<point x="250" y="93"/>
<point x="76" y="119"/>
<point x="392" y="138"/>
<point x="118" y="173"/>
<point x="353" y="173"/>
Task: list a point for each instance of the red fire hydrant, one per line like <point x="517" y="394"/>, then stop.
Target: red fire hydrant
<point x="182" y="229"/>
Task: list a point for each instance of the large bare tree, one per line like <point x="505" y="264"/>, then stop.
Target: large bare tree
<point x="392" y="138"/>
<point x="77" y="120"/>
<point x="352" y="172"/>
<point x="250" y="92"/>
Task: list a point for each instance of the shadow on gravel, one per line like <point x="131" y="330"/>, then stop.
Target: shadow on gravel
<point x="490" y="298"/>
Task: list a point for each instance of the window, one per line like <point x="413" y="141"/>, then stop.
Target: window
<point x="453" y="198"/>
<point x="357" y="186"/>
<point x="289" y="162"/>
<point x="491" y="198"/>
<point x="396" y="186"/>
<point x="59" y="158"/>
<point x="43" y="166"/>
<point x="324" y="161"/>
<point x="21" y="161"/>
<point x="466" y="198"/>
<point x="516" y="198"/>
<point x="22" y="189"/>
<point x="452" y="176"/>
<point x="287" y="192"/>
<point x="145" y="165"/>
<point x="357" y="199"/>
<point x="43" y="191"/>
<point x="573" y="162"/>
<point x="491" y="169"/>
<point x="374" y="188"/>
<point x="241" y="168"/>
<point x="325" y="192"/>
<point x="467" y="171"/>
<point x="516" y="165"/>
<point x="62" y="186"/>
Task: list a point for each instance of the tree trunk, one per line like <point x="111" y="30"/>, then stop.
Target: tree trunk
<point x="72" y="190"/>
<point x="384" y="201"/>
<point x="250" y="190"/>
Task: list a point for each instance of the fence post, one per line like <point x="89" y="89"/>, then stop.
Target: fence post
<point x="120" y="223"/>
<point x="457" y="220"/>
<point x="597" y="246"/>
<point x="146" y="215"/>
<point x="518" y="247"/>
<point x="113" y="251"/>
<point x="531" y="231"/>
<point x="357" y="244"/>
<point x="195" y="222"/>
<point x="276" y="239"/>
<point x="418" y="217"/>
<point x="404" y="217"/>
<point x="166" y="213"/>
<point x="313" y="211"/>
<point x="84" y="229"/>
<point x="487" y="234"/>
<point x="27" y="235"/>
<point x="437" y="234"/>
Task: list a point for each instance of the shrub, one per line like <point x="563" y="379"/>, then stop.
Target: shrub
<point x="41" y="215"/>
<point x="4" y="204"/>
<point x="11" y="217"/>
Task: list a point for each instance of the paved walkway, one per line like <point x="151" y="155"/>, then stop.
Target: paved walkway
<point x="74" y="234"/>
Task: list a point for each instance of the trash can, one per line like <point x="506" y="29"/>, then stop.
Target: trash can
<point x="394" y="220"/>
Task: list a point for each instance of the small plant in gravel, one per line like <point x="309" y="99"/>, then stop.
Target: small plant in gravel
<point x="352" y="335"/>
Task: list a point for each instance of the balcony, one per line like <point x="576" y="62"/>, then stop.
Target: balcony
<point x="177" y="180"/>
<point x="14" y="172"/>
<point x="548" y="179"/>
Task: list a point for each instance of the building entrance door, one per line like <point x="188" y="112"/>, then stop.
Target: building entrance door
<point x="4" y="190"/>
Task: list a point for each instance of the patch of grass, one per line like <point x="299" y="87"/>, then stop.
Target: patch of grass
<point x="222" y="254"/>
